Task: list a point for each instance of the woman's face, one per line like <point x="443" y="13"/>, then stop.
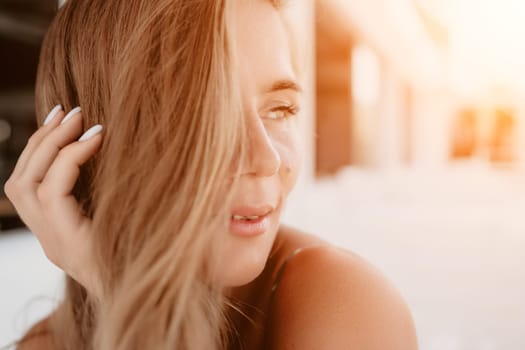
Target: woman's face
<point x="270" y="96"/>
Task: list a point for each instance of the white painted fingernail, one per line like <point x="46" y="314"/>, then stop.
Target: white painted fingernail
<point x="91" y="132"/>
<point x="52" y="114"/>
<point x="70" y="114"/>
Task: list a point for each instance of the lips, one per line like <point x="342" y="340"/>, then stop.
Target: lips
<point x="250" y="220"/>
<point x="260" y="210"/>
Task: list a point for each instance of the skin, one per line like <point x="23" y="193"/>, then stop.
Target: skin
<point x="327" y="298"/>
<point x="269" y="86"/>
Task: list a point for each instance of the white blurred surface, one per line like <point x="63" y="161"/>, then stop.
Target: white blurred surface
<point x="453" y="243"/>
<point x="30" y="284"/>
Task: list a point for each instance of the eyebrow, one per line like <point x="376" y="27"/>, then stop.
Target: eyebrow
<point x="285" y="84"/>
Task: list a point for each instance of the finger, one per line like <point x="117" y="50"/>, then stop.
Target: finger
<point x="48" y="149"/>
<point x="53" y="119"/>
<point x="63" y="173"/>
<point x="55" y="192"/>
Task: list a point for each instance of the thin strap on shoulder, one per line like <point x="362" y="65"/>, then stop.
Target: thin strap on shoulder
<point x="283" y="266"/>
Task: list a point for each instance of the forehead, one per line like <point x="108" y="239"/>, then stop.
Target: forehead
<point x="261" y="41"/>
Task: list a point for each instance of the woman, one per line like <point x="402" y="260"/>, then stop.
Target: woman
<point x="165" y="214"/>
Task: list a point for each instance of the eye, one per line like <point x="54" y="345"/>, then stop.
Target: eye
<point x="282" y="112"/>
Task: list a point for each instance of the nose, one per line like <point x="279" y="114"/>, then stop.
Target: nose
<point x="262" y="159"/>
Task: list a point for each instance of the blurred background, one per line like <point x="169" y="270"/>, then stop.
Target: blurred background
<point x="414" y="136"/>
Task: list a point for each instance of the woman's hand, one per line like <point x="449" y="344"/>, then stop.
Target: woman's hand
<point x="40" y="188"/>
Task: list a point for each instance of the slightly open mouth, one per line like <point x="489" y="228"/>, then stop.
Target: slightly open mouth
<point x="249" y="225"/>
<point x="247" y="218"/>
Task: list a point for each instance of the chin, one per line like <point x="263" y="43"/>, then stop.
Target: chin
<point x="245" y="258"/>
<point x="243" y="276"/>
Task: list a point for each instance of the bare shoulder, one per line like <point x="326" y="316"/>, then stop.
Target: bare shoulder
<point x="39" y="337"/>
<point x="331" y="298"/>
<point x="292" y="238"/>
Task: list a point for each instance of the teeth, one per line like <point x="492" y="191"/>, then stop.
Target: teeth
<point x="249" y="217"/>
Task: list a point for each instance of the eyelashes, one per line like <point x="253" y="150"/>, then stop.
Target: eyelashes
<point x="283" y="112"/>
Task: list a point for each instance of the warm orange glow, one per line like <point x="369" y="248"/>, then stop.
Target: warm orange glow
<point x="487" y="46"/>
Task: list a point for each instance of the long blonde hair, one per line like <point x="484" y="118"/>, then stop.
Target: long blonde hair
<point x="159" y="75"/>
